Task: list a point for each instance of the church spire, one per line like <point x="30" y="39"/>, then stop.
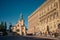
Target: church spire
<point x="21" y="16"/>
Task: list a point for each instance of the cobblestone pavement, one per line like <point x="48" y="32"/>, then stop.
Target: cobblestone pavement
<point x="22" y="38"/>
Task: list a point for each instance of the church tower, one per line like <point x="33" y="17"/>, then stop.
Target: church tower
<point x="23" y="28"/>
<point x="20" y="26"/>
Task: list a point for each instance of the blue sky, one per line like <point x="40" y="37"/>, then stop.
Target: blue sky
<point x="10" y="10"/>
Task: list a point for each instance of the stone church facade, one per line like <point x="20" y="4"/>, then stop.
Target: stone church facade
<point x="20" y="27"/>
<point x="46" y="19"/>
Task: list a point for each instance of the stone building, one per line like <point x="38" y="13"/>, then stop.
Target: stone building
<point x="46" y="19"/>
<point x="20" y="28"/>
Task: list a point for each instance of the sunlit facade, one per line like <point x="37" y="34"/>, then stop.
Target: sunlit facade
<point x="46" y="18"/>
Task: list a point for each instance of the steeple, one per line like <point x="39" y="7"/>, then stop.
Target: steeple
<point x="21" y="16"/>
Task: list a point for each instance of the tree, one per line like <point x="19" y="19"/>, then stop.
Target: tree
<point x="0" y="26"/>
<point x="10" y="26"/>
<point x="3" y="28"/>
<point x="5" y="25"/>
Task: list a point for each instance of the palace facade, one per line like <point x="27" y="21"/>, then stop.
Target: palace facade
<point x="20" y="27"/>
<point x="46" y="19"/>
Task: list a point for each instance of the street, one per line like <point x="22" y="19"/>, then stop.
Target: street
<point x="22" y="38"/>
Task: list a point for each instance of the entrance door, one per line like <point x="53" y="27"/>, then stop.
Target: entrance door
<point x="48" y="29"/>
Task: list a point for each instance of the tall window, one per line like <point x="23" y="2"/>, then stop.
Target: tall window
<point x="48" y="8"/>
<point x="57" y="14"/>
<point x="50" y="17"/>
<point x="56" y="4"/>
<point x="46" y="20"/>
<point x="54" y="15"/>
